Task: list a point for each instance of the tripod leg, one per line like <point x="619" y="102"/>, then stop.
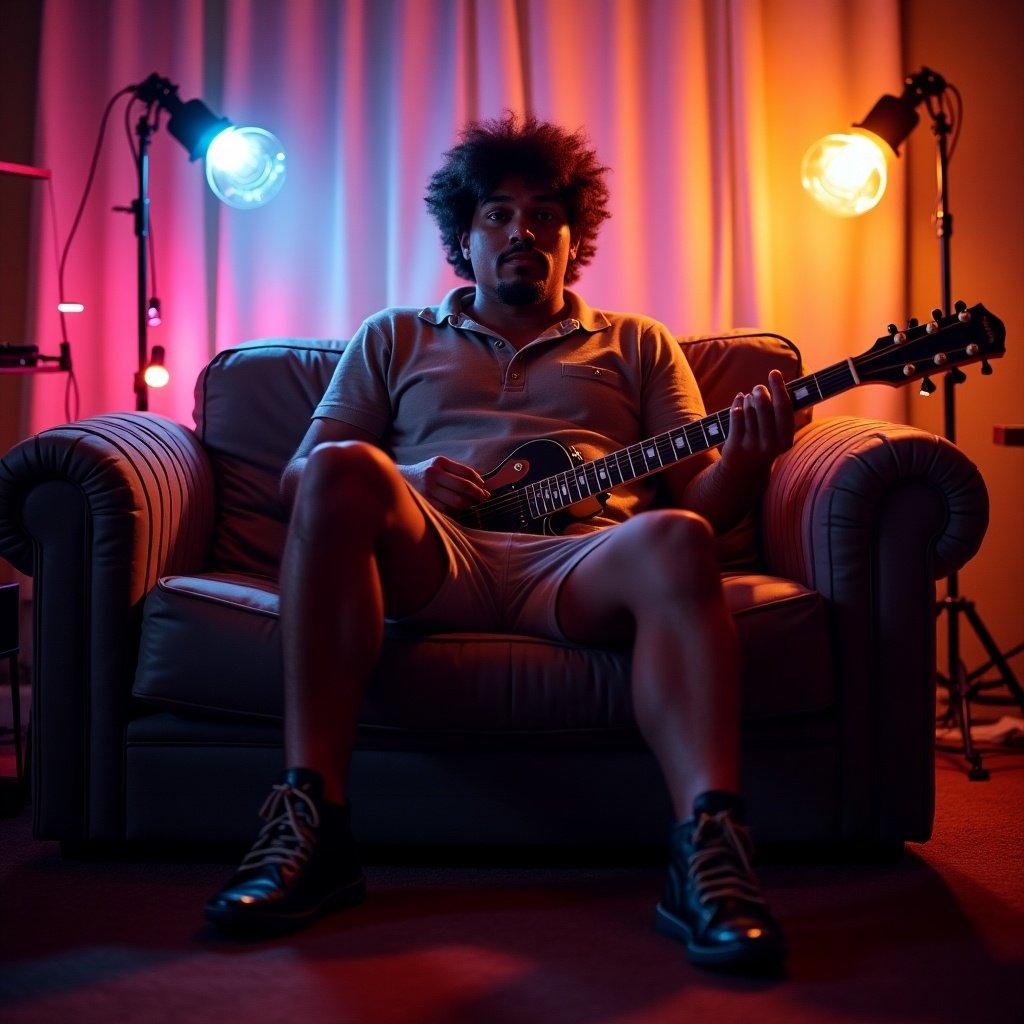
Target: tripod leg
<point x="959" y="686"/>
<point x="962" y="692"/>
<point x="997" y="657"/>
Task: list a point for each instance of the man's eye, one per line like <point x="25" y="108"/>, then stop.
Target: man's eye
<point x="497" y="215"/>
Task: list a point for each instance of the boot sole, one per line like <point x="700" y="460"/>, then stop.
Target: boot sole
<point x="260" y="922"/>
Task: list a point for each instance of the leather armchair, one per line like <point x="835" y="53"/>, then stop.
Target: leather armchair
<point x="156" y="697"/>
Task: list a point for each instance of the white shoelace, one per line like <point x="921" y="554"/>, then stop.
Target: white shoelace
<point x="721" y="863"/>
<point x="286" y="838"/>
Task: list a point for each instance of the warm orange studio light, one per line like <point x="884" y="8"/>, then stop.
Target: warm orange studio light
<point x="846" y="172"/>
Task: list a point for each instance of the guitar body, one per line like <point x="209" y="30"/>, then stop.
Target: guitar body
<point x="506" y="510"/>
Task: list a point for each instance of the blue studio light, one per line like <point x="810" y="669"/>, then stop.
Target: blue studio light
<point x="245" y="166"/>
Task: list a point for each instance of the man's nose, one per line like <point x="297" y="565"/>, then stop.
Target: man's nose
<point x="519" y="231"/>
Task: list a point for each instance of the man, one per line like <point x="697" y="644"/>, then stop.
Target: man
<point x="422" y="405"/>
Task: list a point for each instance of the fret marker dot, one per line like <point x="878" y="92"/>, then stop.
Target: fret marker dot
<point x="679" y="442"/>
<point x="713" y="429"/>
<point x="802" y="392"/>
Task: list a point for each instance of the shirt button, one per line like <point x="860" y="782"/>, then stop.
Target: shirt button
<point x="515" y="376"/>
<point x="597" y="373"/>
<point x="499" y="344"/>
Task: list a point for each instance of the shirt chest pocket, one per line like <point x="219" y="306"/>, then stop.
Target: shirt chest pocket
<point x="597" y="374"/>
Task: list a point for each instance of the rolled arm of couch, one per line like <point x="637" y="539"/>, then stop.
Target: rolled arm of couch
<point x="95" y="511"/>
<point x="871" y="514"/>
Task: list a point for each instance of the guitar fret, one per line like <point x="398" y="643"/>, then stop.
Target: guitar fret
<point x="564" y="497"/>
<point x="530" y="490"/>
<point x="548" y="496"/>
<point x="680" y="443"/>
<point x="652" y="453"/>
<point x="638" y="457"/>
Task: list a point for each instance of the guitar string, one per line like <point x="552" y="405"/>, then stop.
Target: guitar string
<point x="517" y="500"/>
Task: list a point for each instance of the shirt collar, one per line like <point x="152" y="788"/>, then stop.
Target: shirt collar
<point x="450" y="309"/>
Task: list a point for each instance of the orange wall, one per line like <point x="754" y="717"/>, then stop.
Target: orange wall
<point x="977" y="46"/>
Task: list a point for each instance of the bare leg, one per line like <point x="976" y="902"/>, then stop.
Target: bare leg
<point x="656" y="582"/>
<point x="358" y="545"/>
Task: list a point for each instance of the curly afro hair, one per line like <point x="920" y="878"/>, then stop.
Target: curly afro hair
<point x="541" y="154"/>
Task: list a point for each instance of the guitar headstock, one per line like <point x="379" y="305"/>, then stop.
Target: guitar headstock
<point x="968" y="335"/>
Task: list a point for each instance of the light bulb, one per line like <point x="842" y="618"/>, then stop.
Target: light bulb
<point x="155" y="373"/>
<point x="846" y="173"/>
<point x="245" y="167"/>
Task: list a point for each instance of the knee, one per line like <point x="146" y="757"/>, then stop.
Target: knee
<point x="343" y="480"/>
<point x="674" y="554"/>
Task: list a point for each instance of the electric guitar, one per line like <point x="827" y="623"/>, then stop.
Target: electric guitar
<point x="542" y="485"/>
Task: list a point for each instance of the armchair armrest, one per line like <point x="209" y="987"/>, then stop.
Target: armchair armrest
<point x="95" y="511"/>
<point x="871" y="514"/>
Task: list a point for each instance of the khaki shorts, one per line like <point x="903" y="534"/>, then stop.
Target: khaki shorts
<point x="498" y="582"/>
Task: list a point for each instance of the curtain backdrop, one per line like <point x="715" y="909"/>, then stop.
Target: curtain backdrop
<point x="702" y="108"/>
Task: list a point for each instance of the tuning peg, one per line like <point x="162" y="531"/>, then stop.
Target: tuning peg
<point x="986" y="368"/>
<point x="927" y="387"/>
<point x="892" y="328"/>
<point x="912" y="322"/>
<point x="959" y="306"/>
<point x="936" y="313"/>
<point x="957" y="375"/>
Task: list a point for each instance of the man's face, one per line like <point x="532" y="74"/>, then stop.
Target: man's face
<point x="519" y="244"/>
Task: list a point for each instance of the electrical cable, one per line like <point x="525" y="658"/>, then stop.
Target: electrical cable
<point x="72" y="386"/>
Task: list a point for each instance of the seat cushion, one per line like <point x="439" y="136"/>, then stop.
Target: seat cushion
<point x="211" y="648"/>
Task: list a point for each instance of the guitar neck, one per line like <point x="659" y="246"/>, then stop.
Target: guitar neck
<point x="664" y="450"/>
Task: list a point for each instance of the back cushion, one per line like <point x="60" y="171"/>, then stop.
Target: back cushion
<point x="738" y="360"/>
<point x="253" y="404"/>
<point x="254" y="401"/>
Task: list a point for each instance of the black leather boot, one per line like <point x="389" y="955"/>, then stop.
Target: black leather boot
<point x="304" y="863"/>
<point x="712" y="902"/>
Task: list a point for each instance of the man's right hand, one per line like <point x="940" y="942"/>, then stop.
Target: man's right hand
<point x="448" y="486"/>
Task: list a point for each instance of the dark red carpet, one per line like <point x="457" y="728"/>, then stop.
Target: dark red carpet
<point x="937" y="937"/>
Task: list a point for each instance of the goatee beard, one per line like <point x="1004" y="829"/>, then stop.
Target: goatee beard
<point x="520" y="293"/>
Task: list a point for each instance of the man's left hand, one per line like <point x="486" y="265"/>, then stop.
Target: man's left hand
<point x="760" y="426"/>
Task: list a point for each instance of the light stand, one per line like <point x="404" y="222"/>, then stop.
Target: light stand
<point x="891" y="120"/>
<point x="245" y="168"/>
<point x="140" y="209"/>
<point x="954" y="605"/>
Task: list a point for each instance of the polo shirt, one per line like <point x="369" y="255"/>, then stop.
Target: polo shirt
<point x="432" y="381"/>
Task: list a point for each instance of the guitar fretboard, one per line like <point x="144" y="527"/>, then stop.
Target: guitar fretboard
<point x="556" y="492"/>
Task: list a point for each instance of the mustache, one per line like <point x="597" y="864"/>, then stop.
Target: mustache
<point x="521" y="250"/>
